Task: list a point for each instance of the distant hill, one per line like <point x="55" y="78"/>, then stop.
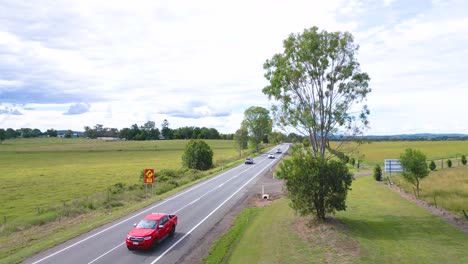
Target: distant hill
<point x="418" y="136"/>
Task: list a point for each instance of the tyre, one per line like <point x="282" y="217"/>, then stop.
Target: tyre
<point x="172" y="231"/>
<point x="130" y="248"/>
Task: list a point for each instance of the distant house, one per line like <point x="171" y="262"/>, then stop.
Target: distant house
<point x="109" y="138"/>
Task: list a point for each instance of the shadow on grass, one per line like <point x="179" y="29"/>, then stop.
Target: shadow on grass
<point x="390" y="227"/>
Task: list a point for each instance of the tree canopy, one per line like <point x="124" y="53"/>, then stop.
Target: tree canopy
<point x="414" y="167"/>
<point x="198" y="155"/>
<point x="258" y="123"/>
<point x="315" y="186"/>
<point x="317" y="82"/>
<point x="317" y="85"/>
<point x="241" y="137"/>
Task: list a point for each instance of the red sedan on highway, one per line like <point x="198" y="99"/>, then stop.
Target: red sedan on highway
<point x="151" y="230"/>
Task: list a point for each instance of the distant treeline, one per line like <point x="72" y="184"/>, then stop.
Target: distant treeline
<point x="147" y="131"/>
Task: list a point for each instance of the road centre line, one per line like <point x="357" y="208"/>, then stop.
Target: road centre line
<point x="125" y="220"/>
<point x="211" y="213"/>
<point x="106" y="252"/>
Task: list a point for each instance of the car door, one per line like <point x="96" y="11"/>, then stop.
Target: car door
<point x="164" y="225"/>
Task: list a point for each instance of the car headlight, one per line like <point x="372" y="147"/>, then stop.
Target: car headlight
<point x="128" y="237"/>
<point x="147" y="238"/>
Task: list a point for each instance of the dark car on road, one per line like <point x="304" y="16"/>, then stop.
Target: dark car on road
<point x="248" y="161"/>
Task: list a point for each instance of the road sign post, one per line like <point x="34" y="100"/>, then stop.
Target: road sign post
<point x="149" y="179"/>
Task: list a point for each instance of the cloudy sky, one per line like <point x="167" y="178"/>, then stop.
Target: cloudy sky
<point x="70" y="64"/>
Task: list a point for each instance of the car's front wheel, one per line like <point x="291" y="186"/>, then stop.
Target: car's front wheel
<point x="172" y="231"/>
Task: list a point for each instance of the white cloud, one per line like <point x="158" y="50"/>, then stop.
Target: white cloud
<point x="200" y="62"/>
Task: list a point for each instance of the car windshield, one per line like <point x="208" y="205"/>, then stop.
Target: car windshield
<point x="151" y="224"/>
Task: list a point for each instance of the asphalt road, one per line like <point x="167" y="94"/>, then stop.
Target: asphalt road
<point x="199" y="208"/>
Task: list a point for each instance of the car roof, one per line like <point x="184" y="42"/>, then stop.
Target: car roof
<point x="154" y="216"/>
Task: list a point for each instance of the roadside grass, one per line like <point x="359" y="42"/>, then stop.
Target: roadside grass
<point x="447" y="188"/>
<point x="380" y="227"/>
<point x="392" y="230"/>
<point x="272" y="236"/>
<point x="221" y="251"/>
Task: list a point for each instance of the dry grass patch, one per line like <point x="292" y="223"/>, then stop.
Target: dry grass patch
<point x="331" y="236"/>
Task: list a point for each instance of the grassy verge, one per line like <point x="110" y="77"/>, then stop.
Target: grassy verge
<point x="393" y="230"/>
<point x="272" y="236"/>
<point x="447" y="188"/>
<point x="380" y="227"/>
<point x="221" y="251"/>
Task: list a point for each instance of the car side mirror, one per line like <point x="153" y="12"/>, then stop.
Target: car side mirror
<point x="134" y="225"/>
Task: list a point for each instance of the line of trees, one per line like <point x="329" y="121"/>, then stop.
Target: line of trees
<point x="147" y="131"/>
<point x="11" y="133"/>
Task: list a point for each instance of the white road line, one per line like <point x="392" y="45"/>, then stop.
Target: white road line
<point x="125" y="220"/>
<point x="204" y="219"/>
<point x="106" y="253"/>
<point x="141" y="213"/>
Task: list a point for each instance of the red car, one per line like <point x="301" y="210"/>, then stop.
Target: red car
<point x="151" y="230"/>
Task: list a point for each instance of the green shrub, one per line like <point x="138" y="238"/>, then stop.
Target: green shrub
<point x="432" y="165"/>
<point x="198" y="155"/>
<point x="377" y="173"/>
<point x="463" y="159"/>
<point x="449" y="163"/>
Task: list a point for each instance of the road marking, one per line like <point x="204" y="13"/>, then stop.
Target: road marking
<point x="204" y="219"/>
<point x="106" y="253"/>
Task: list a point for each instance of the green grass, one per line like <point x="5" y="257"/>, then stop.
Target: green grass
<point x="376" y="152"/>
<point x="268" y="238"/>
<point x="222" y="250"/>
<point x="43" y="173"/>
<point x="387" y="228"/>
<point x="448" y="188"/>
<point x="390" y="229"/>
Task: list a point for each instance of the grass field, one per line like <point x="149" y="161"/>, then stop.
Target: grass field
<point x="377" y="152"/>
<point x="390" y="229"/>
<point x="41" y="173"/>
<point x="386" y="228"/>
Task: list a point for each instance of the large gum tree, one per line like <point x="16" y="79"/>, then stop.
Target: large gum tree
<point x="318" y="85"/>
<point x="319" y="90"/>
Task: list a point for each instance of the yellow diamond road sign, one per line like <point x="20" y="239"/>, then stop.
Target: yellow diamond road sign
<point x="149" y="176"/>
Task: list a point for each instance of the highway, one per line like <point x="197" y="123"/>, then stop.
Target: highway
<point x="199" y="208"/>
